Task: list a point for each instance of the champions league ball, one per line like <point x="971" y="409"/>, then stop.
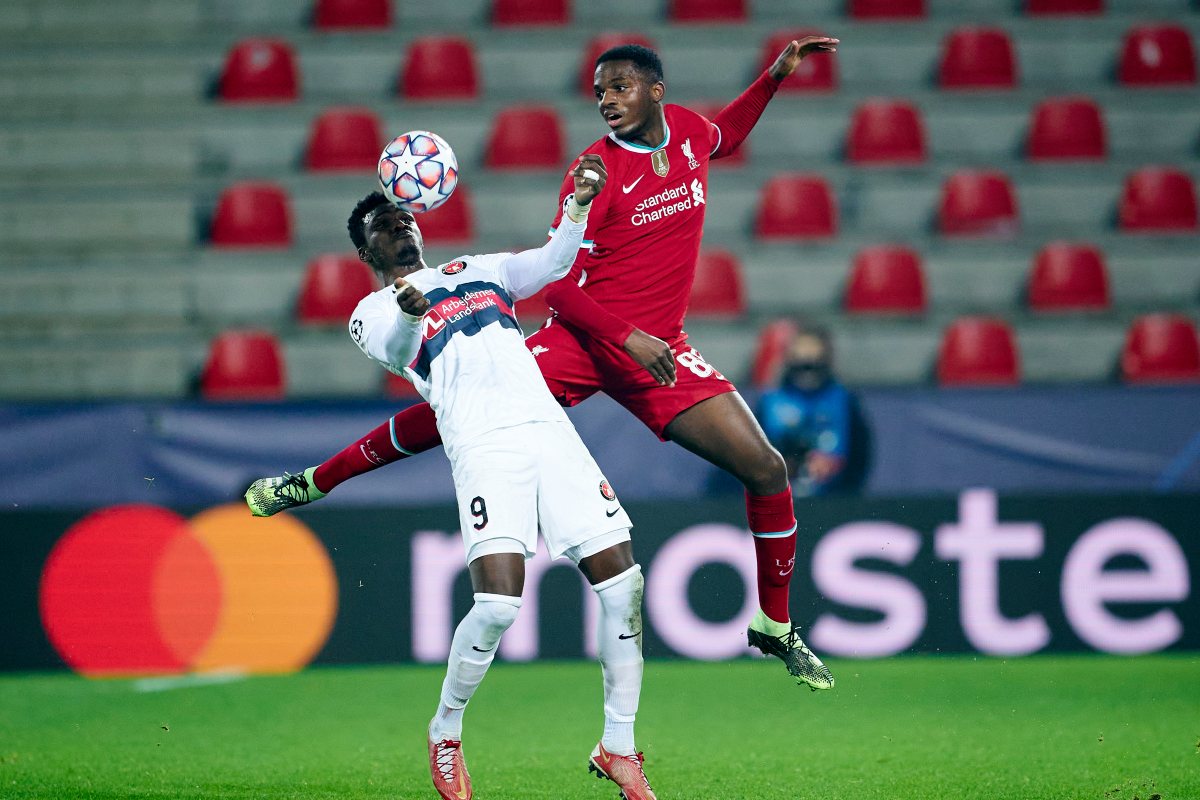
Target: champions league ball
<point x="418" y="171"/>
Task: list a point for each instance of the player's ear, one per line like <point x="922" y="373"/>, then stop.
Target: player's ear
<point x="658" y="91"/>
<point x="365" y="257"/>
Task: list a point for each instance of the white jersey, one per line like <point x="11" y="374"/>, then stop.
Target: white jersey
<point x="467" y="356"/>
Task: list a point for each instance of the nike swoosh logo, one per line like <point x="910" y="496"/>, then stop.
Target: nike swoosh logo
<point x="490" y="649"/>
<point x="613" y="512"/>
<point x="628" y="189"/>
<point x="783" y="574"/>
<point x="630" y="636"/>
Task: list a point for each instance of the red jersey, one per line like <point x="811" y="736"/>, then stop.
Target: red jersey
<point x="644" y="230"/>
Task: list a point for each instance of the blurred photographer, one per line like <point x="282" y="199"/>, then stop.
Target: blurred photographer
<point x="814" y="421"/>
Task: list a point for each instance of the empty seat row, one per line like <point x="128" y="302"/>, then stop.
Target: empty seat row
<point x="340" y="15"/>
<point x="792" y="207"/>
<point x="974" y="351"/>
<point x="975" y="203"/>
<point x="881" y="133"/>
<point x="984" y="351"/>
<point x="444" y="67"/>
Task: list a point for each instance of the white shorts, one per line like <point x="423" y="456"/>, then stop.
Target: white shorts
<point x="513" y="481"/>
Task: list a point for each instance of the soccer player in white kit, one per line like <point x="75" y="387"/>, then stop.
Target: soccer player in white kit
<point x="518" y="463"/>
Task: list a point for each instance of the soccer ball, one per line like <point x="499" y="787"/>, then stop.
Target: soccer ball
<point x="418" y="171"/>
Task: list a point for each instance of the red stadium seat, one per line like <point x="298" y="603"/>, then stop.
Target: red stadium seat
<point x="332" y="15"/>
<point x="738" y="157"/>
<point x="252" y="215"/>
<point x="1157" y="55"/>
<point x="514" y="13"/>
<point x="1069" y="277"/>
<point x="1057" y="7"/>
<point x="344" y="140"/>
<point x="1158" y="200"/>
<point x="533" y="311"/>
<point x="529" y="137"/>
<point x="244" y="365"/>
<point x="719" y="290"/>
<point x="596" y="47"/>
<point x="1161" y="348"/>
<point x="451" y="222"/>
<point x="977" y="58"/>
<point x="401" y="388"/>
<point x="332" y="286"/>
<point x="1066" y="128"/>
<point x="977" y="204"/>
<point x="886" y="279"/>
<point x="979" y="351"/>
<point x="260" y="71"/>
<point x="772" y="348"/>
<point x="887" y="9"/>
<point x="439" y="68"/>
<point x="816" y="73"/>
<point x="886" y="132"/>
<point x="707" y="10"/>
<point x="796" y="207"/>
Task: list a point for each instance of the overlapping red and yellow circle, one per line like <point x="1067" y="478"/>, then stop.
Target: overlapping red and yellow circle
<point x="141" y="590"/>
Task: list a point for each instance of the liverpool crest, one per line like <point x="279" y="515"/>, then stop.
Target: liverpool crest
<point x="659" y="159"/>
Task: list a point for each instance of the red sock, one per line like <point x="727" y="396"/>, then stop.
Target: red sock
<point x="413" y="430"/>
<point x="773" y="523"/>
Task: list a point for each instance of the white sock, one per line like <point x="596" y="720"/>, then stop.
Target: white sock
<point x="620" y="658"/>
<point x="471" y="654"/>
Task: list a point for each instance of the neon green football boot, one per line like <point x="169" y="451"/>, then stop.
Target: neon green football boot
<point x="782" y="639"/>
<point x="267" y="496"/>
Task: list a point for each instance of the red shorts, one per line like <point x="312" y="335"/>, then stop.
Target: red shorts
<point x="576" y="366"/>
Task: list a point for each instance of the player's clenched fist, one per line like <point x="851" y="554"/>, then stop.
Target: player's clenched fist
<point x="410" y="299"/>
<point x="590" y="176"/>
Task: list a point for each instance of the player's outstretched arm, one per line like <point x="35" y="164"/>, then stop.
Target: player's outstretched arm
<point x="524" y="274"/>
<point x="737" y="119"/>
<point x="394" y="343"/>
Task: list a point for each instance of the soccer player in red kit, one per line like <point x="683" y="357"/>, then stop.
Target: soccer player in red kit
<point x="618" y="322"/>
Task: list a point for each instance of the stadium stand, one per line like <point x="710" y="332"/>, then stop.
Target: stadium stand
<point x="977" y="203"/>
<point x="1066" y="128"/>
<point x="979" y="351"/>
<point x="770" y="351"/>
<point x="252" y="215"/>
<point x="244" y="365"/>
<point x="1068" y="276"/>
<point x="342" y="15"/>
<point x="711" y="11"/>
<point x="260" y="71"/>
<point x="1161" y="348"/>
<point x="977" y="58"/>
<point x="439" y="68"/>
<point x="797" y="207"/>
<point x="145" y="91"/>
<point x="332" y="286"/>
<point x="526" y="138"/>
<point x="886" y="279"/>
<point x="516" y="13"/>
<point x="719" y="290"/>
<point x="345" y="139"/>
<point x="1057" y="7"/>
<point x="886" y="133"/>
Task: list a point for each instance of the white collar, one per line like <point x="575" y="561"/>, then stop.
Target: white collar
<point x="641" y="148"/>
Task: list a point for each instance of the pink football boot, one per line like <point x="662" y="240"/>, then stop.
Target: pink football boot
<point x="624" y="771"/>
<point x="450" y="776"/>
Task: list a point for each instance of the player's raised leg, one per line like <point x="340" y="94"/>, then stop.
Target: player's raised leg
<point x="497" y="579"/>
<point x="413" y="430"/>
<point x="723" y="431"/>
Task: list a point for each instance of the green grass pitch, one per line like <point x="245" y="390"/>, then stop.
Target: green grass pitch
<point x="916" y="727"/>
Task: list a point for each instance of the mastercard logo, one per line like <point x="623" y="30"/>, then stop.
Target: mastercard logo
<point x="138" y="589"/>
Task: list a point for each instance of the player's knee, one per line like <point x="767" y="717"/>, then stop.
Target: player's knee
<point x="765" y="473"/>
<point x="496" y="612"/>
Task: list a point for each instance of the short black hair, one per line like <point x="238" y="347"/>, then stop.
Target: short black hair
<point x="645" y="59"/>
<point x="355" y="224"/>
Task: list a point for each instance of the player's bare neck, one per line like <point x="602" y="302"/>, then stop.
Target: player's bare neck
<point x="653" y="132"/>
<point x="389" y="276"/>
